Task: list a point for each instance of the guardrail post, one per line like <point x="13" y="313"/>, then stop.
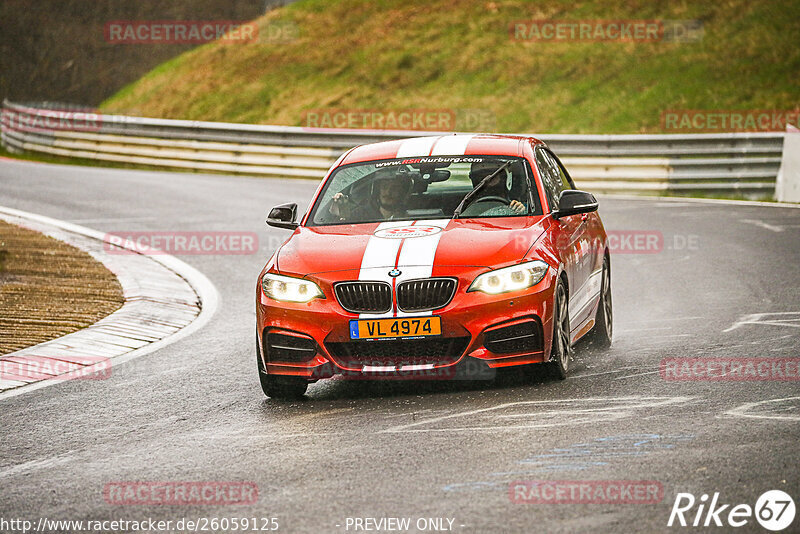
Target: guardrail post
<point x="787" y="187"/>
<point x="2" y="125"/>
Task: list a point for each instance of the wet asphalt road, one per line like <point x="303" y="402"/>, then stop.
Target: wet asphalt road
<point x="193" y="411"/>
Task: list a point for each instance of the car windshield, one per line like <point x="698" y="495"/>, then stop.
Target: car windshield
<point x="426" y="188"/>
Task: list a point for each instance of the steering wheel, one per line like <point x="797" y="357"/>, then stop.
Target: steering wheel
<point x="494" y="199"/>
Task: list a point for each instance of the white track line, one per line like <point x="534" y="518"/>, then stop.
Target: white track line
<point x="742" y="411"/>
<point x="638" y="374"/>
<point x="613" y="407"/>
<point x="202" y="287"/>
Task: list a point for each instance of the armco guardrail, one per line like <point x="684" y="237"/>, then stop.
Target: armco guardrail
<point x="745" y="163"/>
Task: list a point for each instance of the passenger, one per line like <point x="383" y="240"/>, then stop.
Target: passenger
<point x="498" y="188"/>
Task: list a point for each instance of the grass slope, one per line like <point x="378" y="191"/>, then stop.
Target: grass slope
<point x="457" y="54"/>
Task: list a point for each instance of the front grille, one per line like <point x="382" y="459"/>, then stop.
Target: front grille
<point x="288" y="348"/>
<point x="364" y="297"/>
<point x="439" y="351"/>
<point x="425" y="294"/>
<point x="520" y="337"/>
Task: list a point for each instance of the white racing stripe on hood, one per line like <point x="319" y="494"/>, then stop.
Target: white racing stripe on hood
<point x="453" y="145"/>
<point x="417" y="146"/>
<point x="379" y="258"/>
<point x="416" y="257"/>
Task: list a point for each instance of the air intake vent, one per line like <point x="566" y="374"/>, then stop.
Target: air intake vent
<point x="289" y="348"/>
<point x="438" y="351"/>
<point x="520" y="337"/>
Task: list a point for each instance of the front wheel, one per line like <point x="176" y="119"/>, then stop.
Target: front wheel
<point x="561" y="350"/>
<point x="600" y="335"/>
<point x="280" y="387"/>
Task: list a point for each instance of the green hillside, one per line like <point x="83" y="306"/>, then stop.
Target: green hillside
<point x="459" y="55"/>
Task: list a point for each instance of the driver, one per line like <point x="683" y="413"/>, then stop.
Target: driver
<point x="390" y="194"/>
<point x="498" y="187"/>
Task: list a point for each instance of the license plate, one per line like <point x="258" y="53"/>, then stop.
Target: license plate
<point x="395" y="328"/>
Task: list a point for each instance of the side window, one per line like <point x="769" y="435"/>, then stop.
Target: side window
<point x="551" y="178"/>
<point x="564" y="178"/>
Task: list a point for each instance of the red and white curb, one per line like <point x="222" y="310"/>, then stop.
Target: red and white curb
<point x="165" y="300"/>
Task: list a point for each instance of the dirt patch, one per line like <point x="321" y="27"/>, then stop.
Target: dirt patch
<point x="49" y="289"/>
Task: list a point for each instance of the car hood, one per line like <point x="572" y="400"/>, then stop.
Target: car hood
<point x="485" y="242"/>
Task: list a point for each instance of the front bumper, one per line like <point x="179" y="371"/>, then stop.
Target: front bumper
<point x="312" y="340"/>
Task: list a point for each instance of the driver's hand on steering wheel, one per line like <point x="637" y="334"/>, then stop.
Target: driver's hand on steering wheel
<point x="339" y="205"/>
<point x="517" y="206"/>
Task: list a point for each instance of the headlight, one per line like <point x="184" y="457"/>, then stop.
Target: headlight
<point x="511" y="278"/>
<point x="289" y="289"/>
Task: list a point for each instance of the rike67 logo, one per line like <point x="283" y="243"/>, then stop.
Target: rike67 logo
<point x="774" y="510"/>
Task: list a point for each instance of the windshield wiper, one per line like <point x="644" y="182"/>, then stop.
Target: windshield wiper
<point x="467" y="199"/>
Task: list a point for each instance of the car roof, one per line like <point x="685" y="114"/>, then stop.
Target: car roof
<point x="441" y="145"/>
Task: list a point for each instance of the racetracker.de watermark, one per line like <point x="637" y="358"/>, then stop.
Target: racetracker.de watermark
<point x="635" y="241"/>
<point x="181" y="243"/>
<point x="28" y="368"/>
<point x="728" y="120"/>
<point x="730" y="369"/>
<point x="180" y="493"/>
<point x="50" y="120"/>
<point x="586" y="492"/>
<point x="622" y="30"/>
<point x="197" y="32"/>
<point x="631" y="242"/>
<point x="466" y="370"/>
<point x="442" y="120"/>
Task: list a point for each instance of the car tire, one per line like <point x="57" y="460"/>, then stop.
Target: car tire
<point x="561" y="350"/>
<point x="600" y="335"/>
<point x="277" y="386"/>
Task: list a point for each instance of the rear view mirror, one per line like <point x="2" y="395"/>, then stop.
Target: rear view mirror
<point x="438" y="175"/>
<point x="572" y="202"/>
<point x="283" y="216"/>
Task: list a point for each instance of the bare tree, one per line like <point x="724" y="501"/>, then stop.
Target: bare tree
<point x="56" y="49"/>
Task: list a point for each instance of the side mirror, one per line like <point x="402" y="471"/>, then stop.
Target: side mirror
<point x="572" y="202"/>
<point x="283" y="216"/>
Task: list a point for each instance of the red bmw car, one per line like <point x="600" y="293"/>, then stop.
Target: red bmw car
<point x="419" y="255"/>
